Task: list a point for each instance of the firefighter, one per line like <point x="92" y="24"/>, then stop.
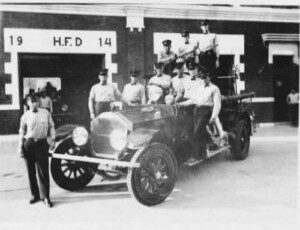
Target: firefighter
<point x="208" y="50"/>
<point x="207" y="105"/>
<point x="187" y="51"/>
<point x="168" y="57"/>
<point x="134" y="92"/>
<point x="158" y="85"/>
<point x="35" y="125"/>
<point x="102" y="95"/>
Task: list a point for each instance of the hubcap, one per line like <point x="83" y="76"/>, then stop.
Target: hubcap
<point x="243" y="138"/>
<point x="154" y="176"/>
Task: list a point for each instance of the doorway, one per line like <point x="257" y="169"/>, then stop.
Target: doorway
<point x="70" y="75"/>
<point x="225" y="70"/>
<point x="283" y="80"/>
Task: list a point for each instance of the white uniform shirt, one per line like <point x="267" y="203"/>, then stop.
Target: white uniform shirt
<point x="155" y="92"/>
<point x="208" y="96"/>
<point x="104" y="93"/>
<point x="293" y="98"/>
<point x="207" y="41"/>
<point x="178" y="85"/>
<point x="164" y="80"/>
<point x="163" y="56"/>
<point x="187" y="47"/>
<point x="189" y="86"/>
<point x="36" y="125"/>
<point x="134" y="92"/>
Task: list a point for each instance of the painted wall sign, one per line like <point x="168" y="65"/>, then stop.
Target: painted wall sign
<point x="53" y="41"/>
<point x="59" y="41"/>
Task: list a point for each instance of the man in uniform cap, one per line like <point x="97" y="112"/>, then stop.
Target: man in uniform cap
<point x="207" y="105"/>
<point x="134" y="92"/>
<point x="102" y="94"/>
<point x="168" y="57"/>
<point x="208" y="51"/>
<point x="177" y="81"/>
<point x="36" y="123"/>
<point x="189" y="83"/>
<point x="187" y="49"/>
<point x="158" y="84"/>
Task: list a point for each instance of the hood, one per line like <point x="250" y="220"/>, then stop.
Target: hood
<point x="125" y="122"/>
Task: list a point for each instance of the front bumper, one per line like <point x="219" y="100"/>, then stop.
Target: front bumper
<point x="96" y="160"/>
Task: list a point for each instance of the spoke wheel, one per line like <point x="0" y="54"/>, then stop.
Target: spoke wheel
<point x="241" y="143"/>
<point x="72" y="175"/>
<point x="155" y="179"/>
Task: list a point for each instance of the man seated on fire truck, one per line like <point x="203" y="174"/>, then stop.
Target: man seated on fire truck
<point x="158" y="85"/>
<point x="207" y="103"/>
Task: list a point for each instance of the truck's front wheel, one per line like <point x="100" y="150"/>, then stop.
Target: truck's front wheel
<point x="71" y="175"/>
<point x="155" y="179"/>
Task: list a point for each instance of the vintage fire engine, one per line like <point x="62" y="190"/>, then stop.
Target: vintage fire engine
<point x="144" y="145"/>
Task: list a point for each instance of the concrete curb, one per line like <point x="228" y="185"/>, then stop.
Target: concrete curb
<point x="7" y="138"/>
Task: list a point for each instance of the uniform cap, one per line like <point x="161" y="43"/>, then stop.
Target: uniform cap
<point x="185" y="33"/>
<point x="167" y="42"/>
<point x="203" y="72"/>
<point x="134" y="73"/>
<point x="179" y="65"/>
<point x="204" y="22"/>
<point x="33" y="98"/>
<point x="159" y="65"/>
<point x="103" y="72"/>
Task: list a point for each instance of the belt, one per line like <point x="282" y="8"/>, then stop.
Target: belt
<point x="203" y="106"/>
<point x="35" y="139"/>
<point x="136" y="101"/>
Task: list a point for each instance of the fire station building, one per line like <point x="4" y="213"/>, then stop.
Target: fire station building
<point x="66" y="44"/>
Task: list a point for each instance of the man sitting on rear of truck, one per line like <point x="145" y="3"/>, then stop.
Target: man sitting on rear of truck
<point x="207" y="103"/>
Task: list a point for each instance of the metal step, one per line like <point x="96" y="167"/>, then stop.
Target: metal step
<point x="211" y="153"/>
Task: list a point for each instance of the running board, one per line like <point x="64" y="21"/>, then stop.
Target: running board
<point x="86" y="159"/>
<point x="211" y="153"/>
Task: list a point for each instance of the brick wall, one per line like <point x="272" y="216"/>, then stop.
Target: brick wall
<point x="135" y="49"/>
<point x="10" y="119"/>
<point x="258" y="75"/>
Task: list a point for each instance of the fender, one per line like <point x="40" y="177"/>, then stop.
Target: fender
<point x="64" y="136"/>
<point x="247" y="117"/>
<point x="59" y="145"/>
<point x="64" y="132"/>
<point x="141" y="137"/>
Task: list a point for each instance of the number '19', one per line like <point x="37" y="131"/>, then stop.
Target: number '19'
<point x="19" y="40"/>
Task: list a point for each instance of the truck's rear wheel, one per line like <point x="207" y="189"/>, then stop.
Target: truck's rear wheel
<point x="155" y="179"/>
<point x="241" y="141"/>
<point x="71" y="175"/>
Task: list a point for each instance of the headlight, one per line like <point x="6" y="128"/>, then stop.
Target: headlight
<point x="80" y="136"/>
<point x="118" y="139"/>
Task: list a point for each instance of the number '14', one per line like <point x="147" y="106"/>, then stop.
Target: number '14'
<point x="107" y="41"/>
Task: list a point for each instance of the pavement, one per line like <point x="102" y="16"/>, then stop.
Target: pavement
<point x="257" y="193"/>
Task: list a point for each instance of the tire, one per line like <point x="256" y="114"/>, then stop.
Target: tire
<point x="152" y="183"/>
<point x="71" y="175"/>
<point x="241" y="142"/>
